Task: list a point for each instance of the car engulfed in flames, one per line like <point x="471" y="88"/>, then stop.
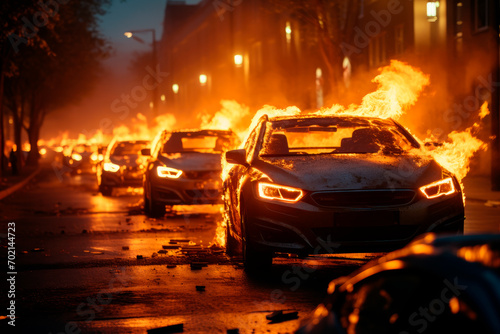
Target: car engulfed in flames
<point x="311" y="184"/>
<point x="185" y="169"/>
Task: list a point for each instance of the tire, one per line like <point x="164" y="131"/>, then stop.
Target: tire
<point x="153" y="208"/>
<point x="106" y="190"/>
<point x="231" y="244"/>
<point x="254" y="260"/>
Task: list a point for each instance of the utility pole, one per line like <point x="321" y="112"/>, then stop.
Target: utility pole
<point x="495" y="103"/>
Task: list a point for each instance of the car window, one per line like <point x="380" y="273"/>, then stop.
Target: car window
<point x="197" y="143"/>
<point x="334" y="138"/>
<point x="128" y="148"/>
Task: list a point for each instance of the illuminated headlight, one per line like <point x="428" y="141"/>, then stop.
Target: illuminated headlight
<point x="111" y="167"/>
<point x="76" y="157"/>
<point x="439" y="188"/>
<point x="280" y="193"/>
<point x="93" y="157"/>
<point x="171" y="173"/>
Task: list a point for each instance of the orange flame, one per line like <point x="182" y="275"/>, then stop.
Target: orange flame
<point x="399" y="86"/>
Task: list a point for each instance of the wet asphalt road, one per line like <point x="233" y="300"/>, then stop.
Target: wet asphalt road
<point x="92" y="264"/>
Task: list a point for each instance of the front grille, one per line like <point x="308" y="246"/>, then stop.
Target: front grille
<point x="204" y="193"/>
<point x="203" y="175"/>
<point x="364" y="198"/>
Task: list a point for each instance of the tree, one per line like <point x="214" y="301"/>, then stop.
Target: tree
<point x="57" y="69"/>
<point x="326" y="25"/>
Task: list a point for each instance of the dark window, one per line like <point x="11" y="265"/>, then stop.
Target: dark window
<point x="480" y="15"/>
<point x="377" y="50"/>
<point x="399" y="38"/>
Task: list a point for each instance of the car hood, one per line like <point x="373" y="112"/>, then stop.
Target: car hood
<point x="353" y="171"/>
<point x="192" y="161"/>
<point x="131" y="160"/>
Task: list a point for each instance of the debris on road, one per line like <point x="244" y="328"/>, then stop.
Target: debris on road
<point x="170" y="266"/>
<point x="177" y="328"/>
<point x="170" y="246"/>
<point x="233" y="331"/>
<point x="125" y="248"/>
<point x="200" y="288"/>
<point x="196" y="266"/>
<point x="278" y="316"/>
<point x="179" y="241"/>
<point x="140" y="257"/>
<point x="492" y="204"/>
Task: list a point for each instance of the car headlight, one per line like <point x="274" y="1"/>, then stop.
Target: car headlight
<point x="280" y="193"/>
<point x="439" y="188"/>
<point x="76" y="157"/>
<point x="169" y="172"/>
<point x="111" y="167"/>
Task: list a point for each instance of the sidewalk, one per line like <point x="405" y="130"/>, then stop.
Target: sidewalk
<point x="11" y="183"/>
<point x="478" y="188"/>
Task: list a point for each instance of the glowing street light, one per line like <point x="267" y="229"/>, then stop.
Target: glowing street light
<point x="203" y="79"/>
<point x="238" y="60"/>
<point x="432" y="8"/>
<point x="175" y="88"/>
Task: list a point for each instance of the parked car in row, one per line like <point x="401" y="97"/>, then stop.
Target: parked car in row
<point x="334" y="184"/>
<point x="122" y="166"/>
<point x="82" y="159"/>
<point x="185" y="168"/>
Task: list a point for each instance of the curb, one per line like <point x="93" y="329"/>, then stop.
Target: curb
<point x="17" y="186"/>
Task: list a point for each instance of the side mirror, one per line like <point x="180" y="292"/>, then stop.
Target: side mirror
<point x="146" y="151"/>
<point x="237" y="157"/>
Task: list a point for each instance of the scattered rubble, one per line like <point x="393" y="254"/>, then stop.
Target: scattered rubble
<point x="177" y="328"/>
<point x="278" y="316"/>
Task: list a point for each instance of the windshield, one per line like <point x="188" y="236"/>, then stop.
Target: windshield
<point x="129" y="148"/>
<point x="197" y="143"/>
<point x="297" y="138"/>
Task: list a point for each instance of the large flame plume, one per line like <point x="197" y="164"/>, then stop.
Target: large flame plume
<point x="399" y="86"/>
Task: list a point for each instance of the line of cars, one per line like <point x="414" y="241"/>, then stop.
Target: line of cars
<point x="299" y="184"/>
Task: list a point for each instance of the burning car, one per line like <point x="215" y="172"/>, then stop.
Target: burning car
<point x="82" y="159"/>
<point x="122" y="166"/>
<point x="434" y="285"/>
<point x="185" y="168"/>
<point x="333" y="184"/>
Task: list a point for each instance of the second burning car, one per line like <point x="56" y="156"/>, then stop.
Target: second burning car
<point x="334" y="184"/>
<point x="122" y="166"/>
<point x="185" y="168"/>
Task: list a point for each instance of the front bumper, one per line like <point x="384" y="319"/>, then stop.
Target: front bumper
<point x="186" y="191"/>
<point x="307" y="228"/>
<point x="125" y="177"/>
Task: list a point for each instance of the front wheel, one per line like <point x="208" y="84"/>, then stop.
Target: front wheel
<point x="253" y="259"/>
<point x="153" y="208"/>
<point x="106" y="190"/>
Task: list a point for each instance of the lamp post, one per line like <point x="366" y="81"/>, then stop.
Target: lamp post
<point x="130" y="34"/>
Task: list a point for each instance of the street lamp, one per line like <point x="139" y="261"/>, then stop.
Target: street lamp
<point x="203" y="79"/>
<point x="130" y="34"/>
<point x="238" y="60"/>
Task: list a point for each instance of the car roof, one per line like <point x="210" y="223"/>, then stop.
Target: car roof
<point x="312" y="119"/>
<point x="201" y="132"/>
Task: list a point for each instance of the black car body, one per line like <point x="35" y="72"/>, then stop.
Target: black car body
<point x="333" y="184"/>
<point x="122" y="166"/>
<point x="448" y="284"/>
<point x="185" y="169"/>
